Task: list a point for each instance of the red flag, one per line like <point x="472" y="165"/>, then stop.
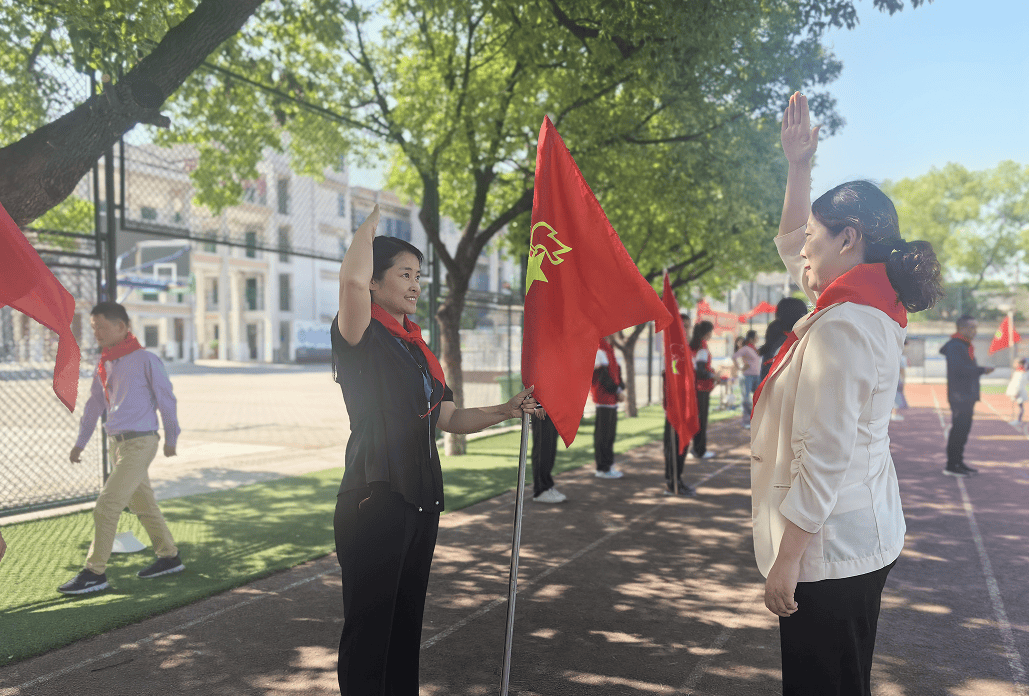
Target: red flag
<point x="1005" y="336"/>
<point x="580" y="285"/>
<point x="680" y="389"/>
<point x="26" y="284"/>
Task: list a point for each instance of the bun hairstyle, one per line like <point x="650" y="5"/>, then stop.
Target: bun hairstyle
<point x="385" y="250"/>
<point x="912" y="267"/>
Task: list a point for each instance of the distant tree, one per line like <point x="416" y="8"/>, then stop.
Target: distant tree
<point x="977" y="221"/>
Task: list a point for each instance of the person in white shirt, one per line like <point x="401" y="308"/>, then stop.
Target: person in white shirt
<point x="828" y="523"/>
<point x="748" y="362"/>
<point x="1017" y="389"/>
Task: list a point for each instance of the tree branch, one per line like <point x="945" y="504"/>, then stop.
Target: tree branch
<point x="43" y="168"/>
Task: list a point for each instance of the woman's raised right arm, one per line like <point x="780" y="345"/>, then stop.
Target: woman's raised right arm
<point x="355" y="277"/>
<point x="799" y="142"/>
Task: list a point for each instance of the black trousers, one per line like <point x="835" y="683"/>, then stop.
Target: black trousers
<point x="672" y="455"/>
<point x="827" y="644"/>
<point x="544" y="452"/>
<point x="960" y="426"/>
<point x="700" y="439"/>
<point x="604" y="437"/>
<point x="385" y="551"/>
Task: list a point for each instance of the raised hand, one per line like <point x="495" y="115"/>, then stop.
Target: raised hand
<point x="799" y="139"/>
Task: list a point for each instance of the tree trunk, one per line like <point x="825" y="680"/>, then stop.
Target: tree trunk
<point x="43" y="168"/>
<point x="628" y="348"/>
<point x="449" y="318"/>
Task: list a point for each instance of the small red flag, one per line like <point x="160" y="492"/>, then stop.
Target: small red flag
<point x="27" y="285"/>
<point x="580" y="285"/>
<point x="680" y="388"/>
<point x="1005" y="336"/>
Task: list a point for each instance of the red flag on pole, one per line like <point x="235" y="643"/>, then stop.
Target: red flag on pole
<point x="680" y="389"/>
<point x="27" y="285"/>
<point x="1005" y="336"/>
<point x="580" y="285"/>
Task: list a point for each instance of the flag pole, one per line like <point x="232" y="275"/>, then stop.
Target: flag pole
<point x="675" y="458"/>
<point x="516" y="540"/>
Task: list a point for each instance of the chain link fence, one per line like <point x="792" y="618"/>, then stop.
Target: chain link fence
<point x="36" y="431"/>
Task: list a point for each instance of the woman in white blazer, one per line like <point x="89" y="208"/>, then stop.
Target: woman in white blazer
<point x="828" y="524"/>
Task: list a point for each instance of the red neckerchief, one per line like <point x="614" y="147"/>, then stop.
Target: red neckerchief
<point x="411" y="333"/>
<point x="971" y="348"/>
<point x="612" y="365"/>
<point x="128" y="345"/>
<point x="865" y="284"/>
<point x="705" y="384"/>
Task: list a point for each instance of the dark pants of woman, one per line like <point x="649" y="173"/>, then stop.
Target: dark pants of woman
<point x="384" y="550"/>
<point x="544" y="452"/>
<point x="672" y="455"/>
<point x="827" y="644"/>
<point x="604" y="437"/>
<point x="700" y="439"/>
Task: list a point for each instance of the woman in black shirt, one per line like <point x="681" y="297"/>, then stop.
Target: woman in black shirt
<point x="387" y="509"/>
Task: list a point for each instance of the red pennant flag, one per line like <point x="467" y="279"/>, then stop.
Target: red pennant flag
<point x="680" y="387"/>
<point x="580" y="285"/>
<point x="1005" y="336"/>
<point x="27" y="285"/>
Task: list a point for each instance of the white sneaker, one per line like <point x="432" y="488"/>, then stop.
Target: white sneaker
<point x="613" y="473"/>
<point x="896" y="417"/>
<point x="1015" y="423"/>
<point x="549" y="496"/>
<point x="708" y="455"/>
<point x="690" y="455"/>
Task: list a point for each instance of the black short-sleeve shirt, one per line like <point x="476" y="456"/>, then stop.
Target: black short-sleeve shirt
<point x="391" y="440"/>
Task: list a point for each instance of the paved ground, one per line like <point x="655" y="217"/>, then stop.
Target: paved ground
<point x="623" y="591"/>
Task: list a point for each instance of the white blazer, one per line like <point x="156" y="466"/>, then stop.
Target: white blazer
<point x="820" y="450"/>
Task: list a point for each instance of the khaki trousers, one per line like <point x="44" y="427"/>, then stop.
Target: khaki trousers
<point x="128" y="485"/>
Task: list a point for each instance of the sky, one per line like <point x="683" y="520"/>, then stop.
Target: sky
<point x="947" y="82"/>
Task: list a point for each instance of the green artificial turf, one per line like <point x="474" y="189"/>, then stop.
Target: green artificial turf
<point x="226" y="539"/>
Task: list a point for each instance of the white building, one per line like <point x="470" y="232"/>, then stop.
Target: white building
<point x="241" y="303"/>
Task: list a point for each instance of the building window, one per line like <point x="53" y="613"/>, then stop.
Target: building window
<point x="394" y="227"/>
<point x="150" y="296"/>
<point x="284" y="244"/>
<point x="357" y="218"/>
<point x="285" y="332"/>
<point x="148" y="213"/>
<point x="343" y="246"/>
<point x="210" y="247"/>
<point x="341" y="205"/>
<point x="252" y="296"/>
<point x="250" y="239"/>
<point x="284" y="293"/>
<point x="150" y="336"/>
<point x="255" y="191"/>
<point x="283" y="191"/>
<point x="480" y="279"/>
<point x="211" y="293"/>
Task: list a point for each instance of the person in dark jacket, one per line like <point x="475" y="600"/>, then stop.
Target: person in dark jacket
<point x="388" y="505"/>
<point x="963" y="373"/>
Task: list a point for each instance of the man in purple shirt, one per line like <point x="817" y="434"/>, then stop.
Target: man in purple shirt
<point x="131" y="385"/>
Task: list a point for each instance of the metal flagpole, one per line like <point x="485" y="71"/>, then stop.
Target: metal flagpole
<point x="512" y="588"/>
<point x="675" y="458"/>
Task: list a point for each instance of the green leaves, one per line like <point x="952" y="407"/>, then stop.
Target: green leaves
<point x="977" y="221"/>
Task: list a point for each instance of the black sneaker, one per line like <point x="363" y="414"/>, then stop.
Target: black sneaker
<point x="966" y="467"/>
<point x="960" y="473"/>
<point x="162" y="566"/>
<point x="684" y="489"/>
<point x="85" y="581"/>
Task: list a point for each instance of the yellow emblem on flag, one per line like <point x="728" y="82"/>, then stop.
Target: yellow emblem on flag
<point x="539" y="249"/>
